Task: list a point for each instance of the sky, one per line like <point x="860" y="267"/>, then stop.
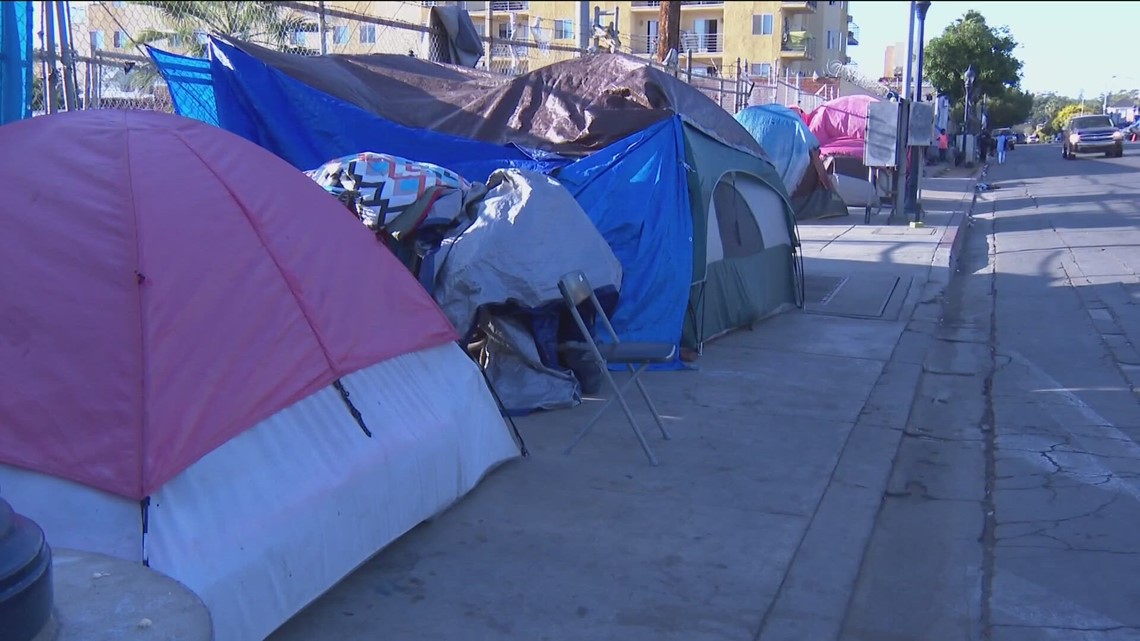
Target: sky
<point x="1106" y="35"/>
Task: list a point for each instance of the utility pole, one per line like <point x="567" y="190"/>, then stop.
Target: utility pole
<point x="668" y="29"/>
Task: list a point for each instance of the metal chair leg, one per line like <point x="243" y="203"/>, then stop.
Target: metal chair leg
<point x="645" y="395"/>
<point x="620" y="398"/>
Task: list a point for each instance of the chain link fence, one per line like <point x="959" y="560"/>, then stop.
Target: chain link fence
<point x="99" y="47"/>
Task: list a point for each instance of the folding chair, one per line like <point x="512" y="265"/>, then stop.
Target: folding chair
<point x="577" y="290"/>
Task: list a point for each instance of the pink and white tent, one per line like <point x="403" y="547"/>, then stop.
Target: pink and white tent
<point x="188" y="321"/>
<point x="840" y="125"/>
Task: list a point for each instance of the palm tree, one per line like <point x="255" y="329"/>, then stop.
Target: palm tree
<point x="187" y="25"/>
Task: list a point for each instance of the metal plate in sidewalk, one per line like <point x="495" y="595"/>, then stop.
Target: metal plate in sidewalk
<point x="904" y="231"/>
<point x="871" y="296"/>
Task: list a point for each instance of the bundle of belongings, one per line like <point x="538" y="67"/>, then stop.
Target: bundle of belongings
<point x="491" y="256"/>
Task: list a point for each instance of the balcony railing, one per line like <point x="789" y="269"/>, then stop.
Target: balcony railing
<point x="799" y="43"/>
<point x="510" y="5"/>
<point x="803" y="5"/>
<point x="642" y="45"/>
<point x="641" y="4"/>
<point x="696" y="43"/>
<point x="852" y="34"/>
<point x="702" y="42"/>
<point x="510" y="51"/>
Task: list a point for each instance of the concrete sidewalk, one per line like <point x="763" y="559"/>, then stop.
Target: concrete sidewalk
<point x="755" y="523"/>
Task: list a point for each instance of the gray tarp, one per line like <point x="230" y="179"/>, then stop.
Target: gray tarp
<point x="528" y="232"/>
<point x="459" y="44"/>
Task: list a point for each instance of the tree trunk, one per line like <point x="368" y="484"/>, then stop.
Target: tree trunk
<point x="669" y="29"/>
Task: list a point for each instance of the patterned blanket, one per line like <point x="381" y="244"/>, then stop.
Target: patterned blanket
<point x="385" y="187"/>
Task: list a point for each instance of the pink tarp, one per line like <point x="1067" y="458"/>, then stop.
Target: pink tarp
<point x="166" y="285"/>
<point x="840" y="125"/>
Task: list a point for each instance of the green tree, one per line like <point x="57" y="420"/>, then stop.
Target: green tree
<point x="1008" y="108"/>
<point x="1063" y="116"/>
<point x="970" y="41"/>
<point x="1046" y="106"/>
<point x="186" y="26"/>
<point x="188" y="23"/>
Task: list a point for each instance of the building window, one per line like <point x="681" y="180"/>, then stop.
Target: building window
<point x="340" y="35"/>
<point x="763" y="24"/>
<point x="832" y="39"/>
<point x="762" y="70"/>
<point x="368" y="33"/>
<point x="97" y="40"/>
<point x="563" y="29"/>
<point x="299" y="38"/>
<point x="504" y="31"/>
<point x="650" y="37"/>
<point x="118" y="5"/>
<point x="707" y="36"/>
<point x="120" y="39"/>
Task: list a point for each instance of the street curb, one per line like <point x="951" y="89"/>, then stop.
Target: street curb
<point x="955" y="234"/>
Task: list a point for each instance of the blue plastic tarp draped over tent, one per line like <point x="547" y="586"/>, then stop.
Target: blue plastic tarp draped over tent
<point x="15" y="61"/>
<point x="190" y="83"/>
<point x="635" y="191"/>
<point x="308" y="127"/>
<point x="784" y="135"/>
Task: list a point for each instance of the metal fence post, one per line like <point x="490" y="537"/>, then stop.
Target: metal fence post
<point x="323" y="27"/>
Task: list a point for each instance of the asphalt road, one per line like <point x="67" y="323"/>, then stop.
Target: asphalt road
<point x="1014" y="507"/>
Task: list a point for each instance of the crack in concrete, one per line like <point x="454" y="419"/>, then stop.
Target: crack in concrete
<point x="1058" y="521"/>
<point x="1110" y="628"/>
<point x="1089" y="298"/>
<point x="926" y="436"/>
<point x="988" y="536"/>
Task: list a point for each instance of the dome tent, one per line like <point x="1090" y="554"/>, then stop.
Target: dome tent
<point x="840" y="125"/>
<point x="794" y="151"/>
<point x="183" y="326"/>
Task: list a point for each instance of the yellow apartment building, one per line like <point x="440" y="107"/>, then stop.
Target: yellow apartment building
<point x="768" y="38"/>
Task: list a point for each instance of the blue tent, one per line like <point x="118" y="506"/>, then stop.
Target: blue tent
<point x="785" y="136"/>
<point x="653" y="241"/>
<point x="794" y="150"/>
<point x="15" y="61"/>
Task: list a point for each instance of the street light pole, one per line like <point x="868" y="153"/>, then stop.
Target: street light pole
<point x="968" y="78"/>
<point x="1111" y="80"/>
<point x="902" y="169"/>
<point x="917" y="156"/>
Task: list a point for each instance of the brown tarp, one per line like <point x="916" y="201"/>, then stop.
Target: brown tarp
<point x="572" y="107"/>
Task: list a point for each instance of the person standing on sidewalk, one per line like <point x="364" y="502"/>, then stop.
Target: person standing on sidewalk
<point x="1002" y="145"/>
<point x="943" y="145"/>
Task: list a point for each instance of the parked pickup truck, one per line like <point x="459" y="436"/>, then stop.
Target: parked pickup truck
<point x="1091" y="134"/>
